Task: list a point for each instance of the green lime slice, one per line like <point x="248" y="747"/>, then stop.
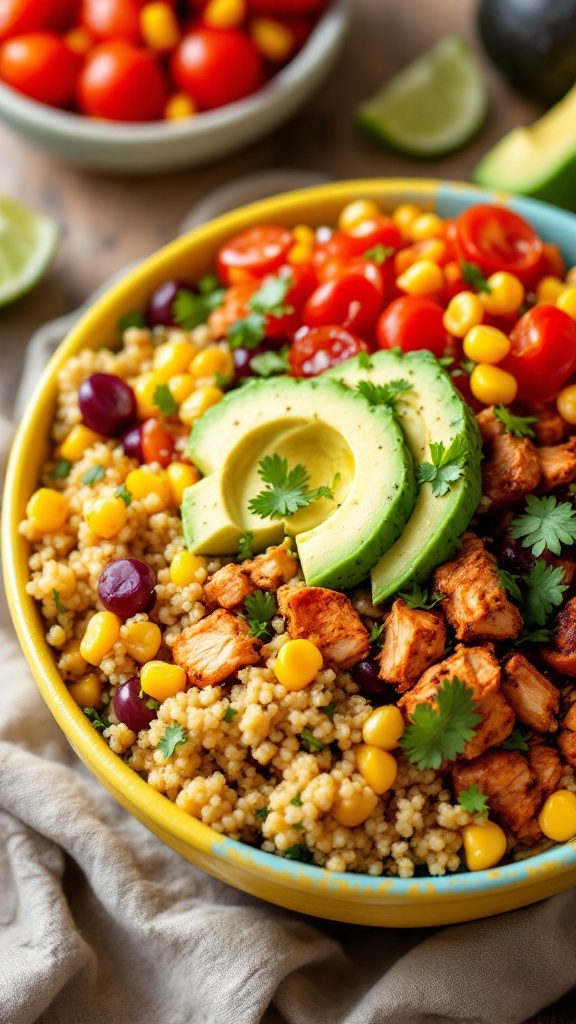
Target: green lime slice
<point x="27" y="244"/>
<point x="433" y="106"/>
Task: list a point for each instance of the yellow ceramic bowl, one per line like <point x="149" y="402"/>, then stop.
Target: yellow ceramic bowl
<point x="359" y="899"/>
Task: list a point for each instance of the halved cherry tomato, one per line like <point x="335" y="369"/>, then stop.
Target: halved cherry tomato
<point x="157" y="443"/>
<point x="330" y="257"/>
<point x="379" y="230"/>
<point x="217" y="66"/>
<point x="543" y="352"/>
<point x="353" y="298"/>
<point x="497" y="239"/>
<point x="317" y="349"/>
<point x="112" y="19"/>
<point x="41" y="66"/>
<point x="121" y="82"/>
<point x="413" y="322"/>
<point x="257" y="251"/>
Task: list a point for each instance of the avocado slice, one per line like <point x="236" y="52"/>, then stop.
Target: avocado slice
<point x="341" y="439"/>
<point x="538" y="160"/>
<point x="431" y="410"/>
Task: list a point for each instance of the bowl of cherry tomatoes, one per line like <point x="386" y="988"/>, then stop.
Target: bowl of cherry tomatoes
<point x="144" y="86"/>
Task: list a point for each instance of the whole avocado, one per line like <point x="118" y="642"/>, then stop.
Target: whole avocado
<point x="533" y="43"/>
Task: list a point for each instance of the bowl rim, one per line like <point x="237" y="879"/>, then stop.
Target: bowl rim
<point x="326" y="35"/>
<point x="129" y="788"/>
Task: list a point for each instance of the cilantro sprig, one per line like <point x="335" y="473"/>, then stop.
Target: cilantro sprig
<point x="61" y="469"/>
<point x="100" y="722"/>
<point x="545" y="524"/>
<point x="60" y="609"/>
<point x="260" y="609"/>
<point x="267" y="364"/>
<point x="417" y="597"/>
<point x="93" y="475"/>
<point x="286" y="489"/>
<point x="383" y="394"/>
<point x="245" y="546"/>
<point x="164" y="400"/>
<point x="515" y="741"/>
<point x="537" y="592"/>
<point x="229" y="715"/>
<point x="190" y="309"/>
<point x="533" y="636"/>
<point x="378" y="253"/>
<point x="447" y="465"/>
<point x="309" y="741"/>
<point x="472" y="274"/>
<point x="377" y="635"/>
<point x="267" y="301"/>
<point x="473" y="801"/>
<point x="519" y="426"/>
<point x="437" y="734"/>
<point x="173" y="736"/>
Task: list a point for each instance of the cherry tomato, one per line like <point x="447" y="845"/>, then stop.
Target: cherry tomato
<point x="112" y="19"/>
<point x="412" y="322"/>
<point x="497" y="239"/>
<point x="217" y="66"/>
<point x="377" y="231"/>
<point x="157" y="443"/>
<point x="257" y="251"/>
<point x="543" y="352"/>
<point x="319" y="348"/>
<point x="41" y="66"/>
<point x="552" y="262"/>
<point x="331" y="257"/>
<point x="121" y="82"/>
<point x="353" y="298"/>
<point x="19" y="17"/>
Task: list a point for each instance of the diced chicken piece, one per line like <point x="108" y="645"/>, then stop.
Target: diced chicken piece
<point x="511" y="472"/>
<point x="549" y="428"/>
<point x="414" y="640"/>
<point x="215" y="648"/>
<point x="509" y="783"/>
<point x="228" y="588"/>
<point x="532" y="697"/>
<point x="479" y="669"/>
<point x="328" y="619"/>
<point x="561" y="652"/>
<point x="475" y="604"/>
<point x="489" y="424"/>
<point x="557" y="464"/>
<point x="567" y="745"/>
<point x="272" y="569"/>
<point x="568" y="569"/>
<point x="569" y="720"/>
<point x="546" y="764"/>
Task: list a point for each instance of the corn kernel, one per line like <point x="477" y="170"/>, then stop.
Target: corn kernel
<point x="78" y="440"/>
<point x="484" y="845"/>
<point x="566" y="301"/>
<point x="160" y="680"/>
<point x="180" y="476"/>
<point x="159" y="26"/>
<point x="384" y="727"/>
<point x="144" y="388"/>
<point x="303" y="233"/>
<point x="493" y="386"/>
<point x="566" y="404"/>
<point x="101" y="634"/>
<point x="75" y="663"/>
<point x="181" y="385"/>
<point x="426" y="225"/>
<point x="463" y="312"/>
<point x="179" y="106"/>
<point x="377" y="767"/>
<point x="87" y="691"/>
<point x="505" y="296"/>
<point x="433" y="249"/>
<point x="423" y="278"/>
<point x="273" y="39"/>
<point x="557" y="819"/>
<point x="548" y="289"/>
<point x="486" y="344"/>
<point x="47" y="510"/>
<point x="213" y="360"/>
<point x="173" y="357"/>
<point x="353" y="810"/>
<point x="143" y="482"/>
<point x="297" y="664"/>
<point x="356" y="212"/>
<point x="224" y="13"/>
<point x="404" y="216"/>
<point x="79" y="41"/>
<point x="299" y="254"/>
<point x="106" y="517"/>
<point x="185" y="567"/>
<point x="142" y="640"/>
<point x="198" y="403"/>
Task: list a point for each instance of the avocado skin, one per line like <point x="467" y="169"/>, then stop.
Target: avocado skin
<point x="533" y="44"/>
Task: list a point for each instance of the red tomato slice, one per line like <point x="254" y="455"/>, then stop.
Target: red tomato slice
<point x="257" y="251"/>
<point x="41" y="66"/>
<point x="497" y="239"/>
<point x="543" y="353"/>
<point x="157" y="443"/>
<point x="317" y="349"/>
<point x="413" y="322"/>
<point x="353" y="298"/>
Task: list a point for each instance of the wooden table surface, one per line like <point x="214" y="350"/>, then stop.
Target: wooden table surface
<point x="107" y="222"/>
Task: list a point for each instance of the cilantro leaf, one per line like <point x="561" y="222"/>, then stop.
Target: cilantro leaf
<point x="124" y="493"/>
<point x="299" y="852"/>
<point x="328" y="710"/>
<point x="417" y="597"/>
<point x="59" y="606"/>
<point x="508" y="582"/>
<point x="309" y="741"/>
<point x="229" y="715"/>
<point x="268" y="363"/>
<point x="262" y="813"/>
<point x="447" y="465"/>
<point x="163" y="399"/>
<point x="209" y="284"/>
<point x="376" y="635"/>
<point x="93" y="475"/>
<point x="131" y="319"/>
<point x="245" y="546"/>
<point x="545" y="524"/>
<point x="379" y="253"/>
<point x="267" y="301"/>
<point x="260" y="609"/>
<point x="296" y="800"/>
<point x="173" y="736"/>
<point x="152" y="704"/>
<point x="287" y="490"/>
<point x="544" y="590"/>
<point x="61" y="470"/>
<point x="383" y="394"/>
<point x="519" y="426"/>
<point x="190" y="310"/>
<point x="247" y="332"/>
<point x="515" y="741"/>
<point x="533" y="636"/>
<point x="100" y="722"/>
<point x="364" y="361"/>
<point x="473" y="801"/>
<point x="437" y="734"/>
<point x="465" y="367"/>
<point x="472" y="274"/>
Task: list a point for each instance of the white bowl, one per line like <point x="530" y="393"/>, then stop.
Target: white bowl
<point x="166" y="146"/>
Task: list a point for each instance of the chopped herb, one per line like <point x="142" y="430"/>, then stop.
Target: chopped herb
<point x="299" y="852"/>
<point x="299" y="825"/>
<point x="445" y="361"/>
<point x="520" y="426"/>
<point x="221" y="381"/>
<point x="296" y="800"/>
<point x="545" y="524"/>
<point x="245" y="546"/>
<point x="447" y="465"/>
<point x="466" y="366"/>
<point x="61" y="470"/>
<point x="328" y="710"/>
<point x="132" y="319"/>
<point x="247" y="332"/>
<point x="508" y="582"/>
<point x="377" y="635"/>
<point x="229" y="715"/>
<point x="152" y="704"/>
<point x="379" y="253"/>
<point x="173" y="736"/>
<point x="100" y="722"/>
<point x="364" y="361"/>
<point x="383" y="394"/>
<point x="472" y="274"/>
<point x="544" y="590"/>
<point x="59" y="606"/>
<point x="310" y="743"/>
<point x="417" y="597"/>
<point x="268" y="363"/>
<point x="287" y="489"/>
<point x="124" y="493"/>
<point x="190" y="310"/>
<point x="208" y="284"/>
<point x="93" y="475"/>
<point x="533" y="636"/>
<point x="262" y="813"/>
<point x="437" y="734"/>
<point x="515" y="741"/>
<point x="260" y="609"/>
<point x="473" y="801"/>
<point x="267" y="301"/>
<point x="163" y="399"/>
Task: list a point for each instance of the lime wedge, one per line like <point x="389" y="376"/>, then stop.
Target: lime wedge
<point x="431" y="107"/>
<point x="27" y="244"/>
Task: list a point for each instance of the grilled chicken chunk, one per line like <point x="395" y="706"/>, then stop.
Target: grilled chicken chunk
<point x="532" y="697"/>
<point x="272" y="569"/>
<point x="215" y="648"/>
<point x="512" y="471"/>
<point x="508" y="781"/>
<point x="489" y="424"/>
<point x="478" y="668"/>
<point x="557" y="464"/>
<point x="328" y="619"/>
<point x="546" y="764"/>
<point x="414" y="640"/>
<point x="549" y="428"/>
<point x="567" y="736"/>
<point x="232" y="584"/>
<point x="475" y="604"/>
<point x="561" y="652"/>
